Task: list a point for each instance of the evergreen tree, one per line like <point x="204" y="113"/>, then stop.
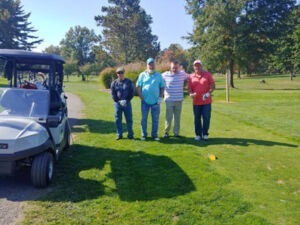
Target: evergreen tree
<point x="126" y="31"/>
<point x="15" y="30"/>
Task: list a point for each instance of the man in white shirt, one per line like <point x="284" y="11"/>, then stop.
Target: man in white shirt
<point x="173" y="96"/>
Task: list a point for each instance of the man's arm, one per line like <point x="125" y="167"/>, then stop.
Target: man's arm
<point x="139" y="92"/>
<point x="161" y="92"/>
<point x="130" y="90"/>
<point x="113" y="92"/>
<point x="212" y="87"/>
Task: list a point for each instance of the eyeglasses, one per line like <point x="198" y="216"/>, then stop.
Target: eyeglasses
<point x="120" y="72"/>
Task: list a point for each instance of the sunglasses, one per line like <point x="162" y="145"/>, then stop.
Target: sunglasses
<point x="120" y="72"/>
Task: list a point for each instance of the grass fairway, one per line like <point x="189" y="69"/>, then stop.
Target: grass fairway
<point x="255" y="179"/>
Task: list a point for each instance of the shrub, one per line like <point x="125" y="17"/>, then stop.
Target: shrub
<point x="133" y="76"/>
<point x="132" y="72"/>
<point x="162" y="67"/>
<point x="107" y="76"/>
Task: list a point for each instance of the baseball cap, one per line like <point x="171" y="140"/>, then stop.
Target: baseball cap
<point x="120" y="69"/>
<point x="150" y="60"/>
<point x="197" y="61"/>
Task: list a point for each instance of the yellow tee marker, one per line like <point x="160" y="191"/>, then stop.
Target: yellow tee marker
<point x="212" y="157"/>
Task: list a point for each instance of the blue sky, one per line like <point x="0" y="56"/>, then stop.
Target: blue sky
<point x="54" y="18"/>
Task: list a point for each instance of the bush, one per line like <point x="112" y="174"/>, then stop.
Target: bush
<point x="133" y="76"/>
<point x="132" y="71"/>
<point x="107" y="76"/>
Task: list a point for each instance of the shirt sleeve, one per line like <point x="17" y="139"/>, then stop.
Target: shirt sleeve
<point x="211" y="79"/>
<point x="139" y="82"/>
<point x="131" y="90"/>
<point x="162" y="82"/>
<point x="113" y="92"/>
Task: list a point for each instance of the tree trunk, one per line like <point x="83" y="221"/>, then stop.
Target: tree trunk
<point x="231" y="64"/>
<point x="292" y="75"/>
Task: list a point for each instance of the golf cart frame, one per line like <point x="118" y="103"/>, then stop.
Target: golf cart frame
<point x="40" y="75"/>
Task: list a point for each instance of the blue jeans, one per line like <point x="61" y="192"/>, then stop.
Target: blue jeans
<point x="202" y="114"/>
<point x="128" y="116"/>
<point x="155" y="110"/>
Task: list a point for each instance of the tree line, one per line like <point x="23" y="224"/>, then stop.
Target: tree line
<point x="230" y="36"/>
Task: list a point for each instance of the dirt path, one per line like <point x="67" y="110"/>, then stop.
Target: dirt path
<point x="15" y="191"/>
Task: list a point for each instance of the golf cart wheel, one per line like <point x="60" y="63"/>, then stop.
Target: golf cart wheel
<point x="42" y="170"/>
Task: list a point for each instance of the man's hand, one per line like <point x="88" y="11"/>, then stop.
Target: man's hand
<point x="193" y="95"/>
<point x="205" y="96"/>
<point x="123" y="103"/>
<point x="159" y="100"/>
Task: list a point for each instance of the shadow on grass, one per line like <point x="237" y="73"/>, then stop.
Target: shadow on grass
<point x="94" y="126"/>
<point x="228" y="141"/>
<point x="89" y="173"/>
<point x="4" y="85"/>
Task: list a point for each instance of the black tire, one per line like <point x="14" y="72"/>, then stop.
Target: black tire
<point x="42" y="170"/>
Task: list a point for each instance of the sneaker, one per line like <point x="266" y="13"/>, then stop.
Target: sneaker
<point x="166" y="135"/>
<point x="197" y="138"/>
<point x="205" y="137"/>
<point x="118" y="138"/>
<point x="143" y="138"/>
<point x="156" y="139"/>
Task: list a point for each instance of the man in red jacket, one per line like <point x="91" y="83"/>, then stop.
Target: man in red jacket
<point x="201" y="84"/>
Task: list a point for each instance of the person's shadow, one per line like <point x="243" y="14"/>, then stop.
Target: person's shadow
<point x="137" y="176"/>
<point x="221" y="141"/>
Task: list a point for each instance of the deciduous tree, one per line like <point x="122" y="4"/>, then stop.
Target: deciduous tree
<point x="236" y="33"/>
<point x="78" y="44"/>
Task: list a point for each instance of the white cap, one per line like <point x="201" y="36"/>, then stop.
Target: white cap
<point x="197" y="61"/>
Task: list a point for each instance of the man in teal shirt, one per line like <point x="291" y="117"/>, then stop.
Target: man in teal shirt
<point x="150" y="88"/>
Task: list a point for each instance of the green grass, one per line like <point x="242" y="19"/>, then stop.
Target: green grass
<point x="255" y="179"/>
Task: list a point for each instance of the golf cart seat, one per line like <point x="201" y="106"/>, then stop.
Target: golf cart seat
<point x="55" y="102"/>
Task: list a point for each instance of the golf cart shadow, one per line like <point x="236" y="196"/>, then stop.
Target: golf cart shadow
<point x="19" y="188"/>
<point x="90" y="173"/>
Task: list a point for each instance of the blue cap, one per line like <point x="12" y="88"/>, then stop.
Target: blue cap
<point x="150" y="60"/>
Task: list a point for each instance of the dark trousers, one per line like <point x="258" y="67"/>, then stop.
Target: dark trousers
<point x="128" y="117"/>
<point x="202" y="115"/>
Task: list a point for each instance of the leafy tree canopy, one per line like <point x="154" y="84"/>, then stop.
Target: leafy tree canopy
<point x="237" y="33"/>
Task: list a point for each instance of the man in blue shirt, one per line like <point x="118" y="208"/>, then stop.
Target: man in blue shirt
<point x="150" y="88"/>
<point x="122" y="91"/>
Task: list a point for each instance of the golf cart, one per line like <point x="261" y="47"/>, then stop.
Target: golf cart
<point x="34" y="127"/>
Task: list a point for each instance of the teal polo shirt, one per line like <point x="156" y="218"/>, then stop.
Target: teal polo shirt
<point x="150" y="85"/>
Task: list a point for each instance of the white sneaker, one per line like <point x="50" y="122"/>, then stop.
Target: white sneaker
<point x="205" y="137"/>
<point x="143" y="138"/>
<point x="157" y="139"/>
<point x="197" y="138"/>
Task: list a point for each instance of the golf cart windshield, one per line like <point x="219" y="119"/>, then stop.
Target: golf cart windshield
<point x="24" y="103"/>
